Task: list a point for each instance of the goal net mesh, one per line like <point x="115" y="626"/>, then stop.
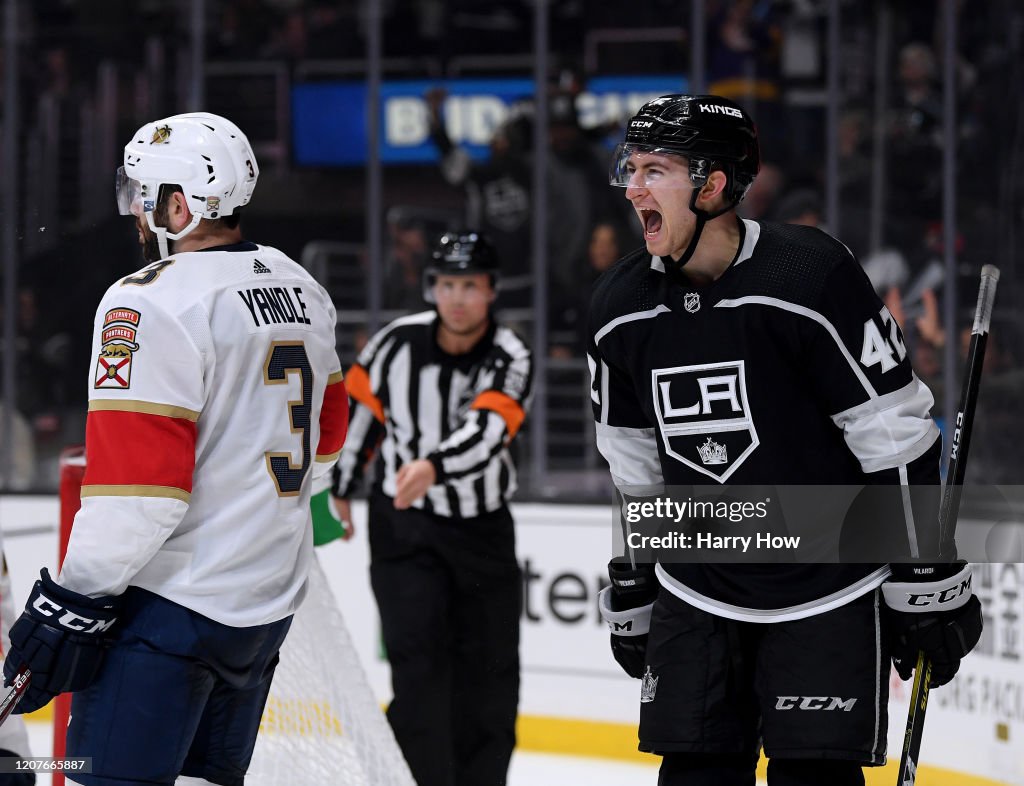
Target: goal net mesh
<point x="322" y="723"/>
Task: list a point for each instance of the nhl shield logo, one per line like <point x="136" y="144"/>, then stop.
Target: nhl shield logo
<point x="705" y="417"/>
<point x="691" y="302"/>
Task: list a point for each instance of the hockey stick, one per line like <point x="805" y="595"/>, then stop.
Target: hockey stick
<point x="951" y="494"/>
<point x="18" y="688"/>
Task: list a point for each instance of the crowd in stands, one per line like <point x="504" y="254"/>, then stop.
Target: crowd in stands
<point x="770" y="56"/>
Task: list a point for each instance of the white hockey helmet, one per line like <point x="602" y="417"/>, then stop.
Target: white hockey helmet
<point x="207" y="155"/>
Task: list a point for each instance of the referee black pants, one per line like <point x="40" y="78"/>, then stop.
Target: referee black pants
<point x="449" y="596"/>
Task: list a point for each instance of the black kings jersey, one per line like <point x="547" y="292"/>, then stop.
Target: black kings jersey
<point x="786" y="370"/>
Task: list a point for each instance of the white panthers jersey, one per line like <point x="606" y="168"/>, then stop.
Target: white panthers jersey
<point x="215" y="397"/>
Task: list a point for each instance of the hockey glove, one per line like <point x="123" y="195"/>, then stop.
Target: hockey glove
<point x="22" y="778"/>
<point x="931" y="608"/>
<point x="62" y="637"/>
<point x="626" y="608"/>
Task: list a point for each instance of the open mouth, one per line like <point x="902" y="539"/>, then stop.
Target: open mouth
<point x="651" y="220"/>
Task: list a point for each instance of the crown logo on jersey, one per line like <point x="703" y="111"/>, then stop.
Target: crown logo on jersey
<point x="161" y="136"/>
<point x="691" y="302"/>
<point x="259" y="268"/>
<point x="713" y="453"/>
<point x="648" y="687"/>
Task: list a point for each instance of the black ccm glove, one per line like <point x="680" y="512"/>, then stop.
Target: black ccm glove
<point x="626" y="607"/>
<point x="931" y="608"/>
<point x="62" y="637"/>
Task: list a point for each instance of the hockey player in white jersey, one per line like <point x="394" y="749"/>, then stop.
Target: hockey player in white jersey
<point x="215" y="397"/>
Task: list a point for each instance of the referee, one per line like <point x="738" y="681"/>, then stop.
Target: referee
<point x="443" y="393"/>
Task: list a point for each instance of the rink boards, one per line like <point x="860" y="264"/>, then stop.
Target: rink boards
<point x="574" y="699"/>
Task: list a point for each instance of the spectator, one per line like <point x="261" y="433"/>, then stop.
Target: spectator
<point x="569" y="316"/>
<point x="498" y="199"/>
<point x="22" y="470"/>
<point x="405" y="263"/>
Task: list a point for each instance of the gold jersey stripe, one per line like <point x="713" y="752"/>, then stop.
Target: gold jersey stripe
<point x="144" y="407"/>
<point x="325" y="457"/>
<point x="136" y="491"/>
<point x="337" y="376"/>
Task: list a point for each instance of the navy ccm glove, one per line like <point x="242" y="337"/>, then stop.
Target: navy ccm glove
<point x="62" y="637"/>
<point x="932" y="608"/>
<point x="626" y="608"/>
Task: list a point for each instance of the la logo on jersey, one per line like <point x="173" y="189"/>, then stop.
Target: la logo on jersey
<point x="704" y="416"/>
<point x="117" y="344"/>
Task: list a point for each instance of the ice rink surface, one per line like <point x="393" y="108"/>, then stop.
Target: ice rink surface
<point x="528" y="769"/>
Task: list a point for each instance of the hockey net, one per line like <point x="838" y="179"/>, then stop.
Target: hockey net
<point x="322" y="723"/>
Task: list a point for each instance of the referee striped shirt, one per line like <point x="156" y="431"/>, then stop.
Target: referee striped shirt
<point x="413" y="400"/>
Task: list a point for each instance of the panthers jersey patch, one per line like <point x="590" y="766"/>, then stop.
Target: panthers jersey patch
<point x="118" y="343"/>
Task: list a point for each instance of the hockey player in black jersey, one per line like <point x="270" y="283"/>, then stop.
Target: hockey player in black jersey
<point x="746" y="352"/>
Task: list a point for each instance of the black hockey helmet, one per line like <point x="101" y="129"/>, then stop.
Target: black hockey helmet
<point x="710" y="131"/>
<point x="460" y="252"/>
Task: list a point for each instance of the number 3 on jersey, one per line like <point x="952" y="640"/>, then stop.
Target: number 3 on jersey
<point x="876" y="349"/>
<point x="284" y="358"/>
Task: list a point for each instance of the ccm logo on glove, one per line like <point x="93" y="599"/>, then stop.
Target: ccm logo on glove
<point x="948" y="593"/>
<point x="48" y="607"/>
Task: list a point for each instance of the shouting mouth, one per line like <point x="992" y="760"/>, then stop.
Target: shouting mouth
<point x="651" y="220"/>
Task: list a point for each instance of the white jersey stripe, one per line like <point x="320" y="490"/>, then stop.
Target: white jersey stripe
<point x="745" y="614"/>
<point x="660" y="309"/>
<point x="785" y="305"/>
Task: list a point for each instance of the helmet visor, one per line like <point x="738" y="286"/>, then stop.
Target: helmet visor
<point x="129" y="194"/>
<point x="645" y="166"/>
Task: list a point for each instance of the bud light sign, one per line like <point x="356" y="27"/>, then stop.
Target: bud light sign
<point x="329" y="118"/>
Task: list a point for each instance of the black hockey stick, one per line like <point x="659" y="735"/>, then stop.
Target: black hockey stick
<point x="950" y="509"/>
<point x="18" y="688"/>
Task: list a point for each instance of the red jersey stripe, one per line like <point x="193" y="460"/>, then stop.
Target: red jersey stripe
<point x="333" y="421"/>
<point x="139" y="449"/>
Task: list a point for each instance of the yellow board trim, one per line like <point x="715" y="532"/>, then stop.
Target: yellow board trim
<point x="144" y="407"/>
<point x="136" y="491"/>
<point x="603" y="740"/>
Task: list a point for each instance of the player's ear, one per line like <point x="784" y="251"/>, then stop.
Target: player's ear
<point x="713" y="187"/>
<point x="178" y="214"/>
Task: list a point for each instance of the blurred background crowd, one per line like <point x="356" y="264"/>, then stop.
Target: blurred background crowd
<point x="90" y="73"/>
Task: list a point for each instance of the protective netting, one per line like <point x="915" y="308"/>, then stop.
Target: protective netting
<point x="322" y="723"/>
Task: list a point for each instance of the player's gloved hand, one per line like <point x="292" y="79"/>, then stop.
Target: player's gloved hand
<point x="931" y="608"/>
<point x="626" y="608"/>
<point x="19" y="779"/>
<point x="62" y="637"/>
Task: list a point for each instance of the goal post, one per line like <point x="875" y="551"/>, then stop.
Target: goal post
<point x="322" y="723"/>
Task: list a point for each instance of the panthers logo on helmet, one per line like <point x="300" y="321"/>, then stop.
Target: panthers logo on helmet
<point x="161" y="136"/>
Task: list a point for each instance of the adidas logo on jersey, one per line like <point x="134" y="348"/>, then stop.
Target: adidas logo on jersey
<point x="259" y="267"/>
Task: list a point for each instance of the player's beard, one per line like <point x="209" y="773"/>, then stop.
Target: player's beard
<point x="150" y="243"/>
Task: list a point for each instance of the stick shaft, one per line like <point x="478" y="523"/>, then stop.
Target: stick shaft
<point x="18" y="688"/>
<point x="950" y="509"/>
